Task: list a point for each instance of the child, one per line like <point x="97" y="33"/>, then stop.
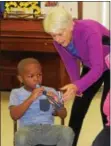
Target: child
<point x="33" y="111"/>
<point x="103" y="138"/>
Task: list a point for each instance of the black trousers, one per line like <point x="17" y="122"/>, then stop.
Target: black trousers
<point x="103" y="138"/>
<point x="81" y="105"/>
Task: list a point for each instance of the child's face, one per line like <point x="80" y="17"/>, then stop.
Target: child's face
<point x="31" y="76"/>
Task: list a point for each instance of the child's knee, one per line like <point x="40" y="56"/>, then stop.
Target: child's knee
<point x="21" y="138"/>
<point x="68" y="133"/>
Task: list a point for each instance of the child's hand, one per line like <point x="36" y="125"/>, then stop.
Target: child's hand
<point x="62" y="113"/>
<point x="36" y="93"/>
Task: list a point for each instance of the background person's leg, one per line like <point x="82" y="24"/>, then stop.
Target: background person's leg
<point x="103" y="138"/>
<point x="106" y="78"/>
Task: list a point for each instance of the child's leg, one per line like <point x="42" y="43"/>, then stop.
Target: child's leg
<point x="44" y="134"/>
<point x="57" y="135"/>
<point x="28" y="136"/>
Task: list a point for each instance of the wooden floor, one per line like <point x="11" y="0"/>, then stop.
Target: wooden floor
<point x="91" y="126"/>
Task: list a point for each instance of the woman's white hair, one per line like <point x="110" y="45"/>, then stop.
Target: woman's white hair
<point x="57" y="19"/>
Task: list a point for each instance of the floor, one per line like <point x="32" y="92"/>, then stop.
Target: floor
<point x="91" y="126"/>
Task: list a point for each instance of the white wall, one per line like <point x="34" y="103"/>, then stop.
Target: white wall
<point x="105" y="14"/>
<point x="70" y="6"/>
<point x="98" y="11"/>
<point x="92" y="10"/>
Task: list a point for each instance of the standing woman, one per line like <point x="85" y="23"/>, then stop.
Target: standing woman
<point x="84" y="41"/>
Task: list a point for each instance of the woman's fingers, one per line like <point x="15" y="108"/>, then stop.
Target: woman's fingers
<point x="70" y="93"/>
<point x="68" y="97"/>
<point x="64" y="87"/>
<point x="69" y="86"/>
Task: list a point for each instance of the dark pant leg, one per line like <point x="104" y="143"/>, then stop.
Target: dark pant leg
<point x="106" y="78"/>
<point x="81" y="105"/>
<point x="103" y="138"/>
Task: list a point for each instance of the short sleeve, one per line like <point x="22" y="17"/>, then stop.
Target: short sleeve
<point x="13" y="100"/>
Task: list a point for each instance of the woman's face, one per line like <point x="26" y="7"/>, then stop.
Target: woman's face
<point x="63" y="37"/>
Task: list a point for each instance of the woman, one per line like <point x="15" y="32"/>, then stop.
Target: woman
<point x="80" y="40"/>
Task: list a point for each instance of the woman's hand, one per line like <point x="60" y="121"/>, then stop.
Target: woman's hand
<point x="70" y="93"/>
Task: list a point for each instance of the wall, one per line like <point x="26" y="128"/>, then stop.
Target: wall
<point x="96" y="11"/>
<point x="70" y="6"/>
<point x="92" y="10"/>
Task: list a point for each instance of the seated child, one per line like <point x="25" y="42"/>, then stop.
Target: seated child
<point x="31" y="108"/>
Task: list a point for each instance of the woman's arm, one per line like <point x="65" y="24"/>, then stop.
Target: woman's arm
<point x="95" y="53"/>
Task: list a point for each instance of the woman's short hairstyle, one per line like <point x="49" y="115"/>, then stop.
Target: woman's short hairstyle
<point x="57" y="19"/>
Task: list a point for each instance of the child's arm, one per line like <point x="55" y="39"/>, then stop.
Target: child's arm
<point x="17" y="111"/>
<point x="62" y="113"/>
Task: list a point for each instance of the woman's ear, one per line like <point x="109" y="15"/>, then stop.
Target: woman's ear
<point x="20" y="79"/>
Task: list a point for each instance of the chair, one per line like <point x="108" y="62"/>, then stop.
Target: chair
<point x="15" y="129"/>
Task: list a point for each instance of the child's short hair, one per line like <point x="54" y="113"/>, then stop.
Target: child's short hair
<point x="26" y="61"/>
